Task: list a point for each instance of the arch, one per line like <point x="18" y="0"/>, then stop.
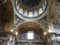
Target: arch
<point x="31" y="26"/>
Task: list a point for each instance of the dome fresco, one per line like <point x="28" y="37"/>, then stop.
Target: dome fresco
<point x="30" y="3"/>
<point x="30" y="8"/>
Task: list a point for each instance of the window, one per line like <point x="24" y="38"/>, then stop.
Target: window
<point x="30" y="35"/>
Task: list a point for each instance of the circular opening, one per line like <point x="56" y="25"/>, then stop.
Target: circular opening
<point x="30" y="3"/>
<point x="37" y="7"/>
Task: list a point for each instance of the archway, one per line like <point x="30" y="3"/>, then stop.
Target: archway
<point x="30" y="33"/>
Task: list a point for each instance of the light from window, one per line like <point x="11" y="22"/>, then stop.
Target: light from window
<point x="30" y="14"/>
<point x="30" y="35"/>
<point x="21" y="11"/>
<point x="40" y="10"/>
